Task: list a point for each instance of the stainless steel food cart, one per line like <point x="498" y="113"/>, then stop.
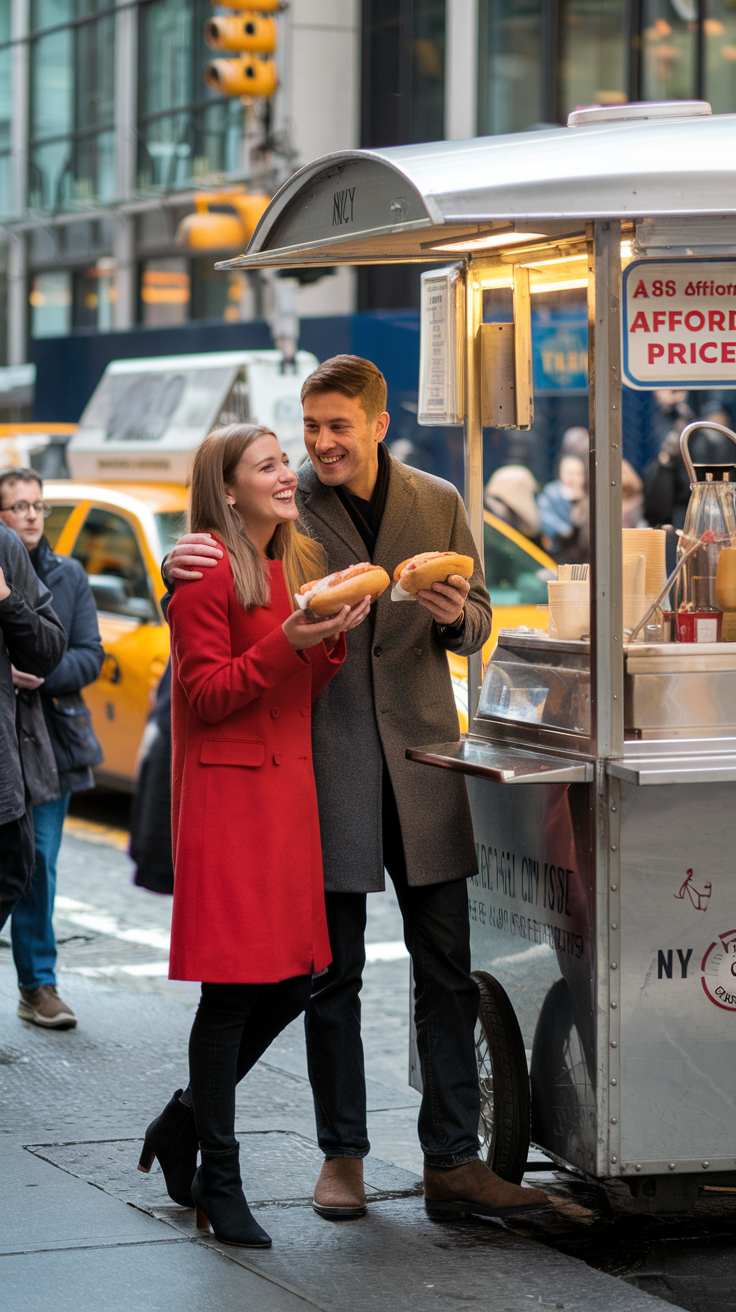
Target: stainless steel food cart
<point x="602" y="775"/>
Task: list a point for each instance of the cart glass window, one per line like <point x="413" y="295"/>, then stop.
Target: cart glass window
<point x="108" y="551"/>
<point x="513" y="577"/>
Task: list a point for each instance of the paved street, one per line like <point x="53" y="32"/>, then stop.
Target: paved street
<point x="83" y="1229"/>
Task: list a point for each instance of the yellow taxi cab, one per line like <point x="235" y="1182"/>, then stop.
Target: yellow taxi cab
<point x="516" y="577"/>
<point x="120" y="534"/>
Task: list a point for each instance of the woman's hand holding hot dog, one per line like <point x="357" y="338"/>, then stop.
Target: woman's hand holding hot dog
<point x="445" y="601"/>
<point x="302" y="632"/>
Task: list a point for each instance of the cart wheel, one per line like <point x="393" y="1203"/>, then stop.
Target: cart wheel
<point x="563" y="1094"/>
<point x="504" y="1082"/>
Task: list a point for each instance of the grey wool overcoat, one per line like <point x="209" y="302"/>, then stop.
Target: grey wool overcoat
<point x="393" y="692"/>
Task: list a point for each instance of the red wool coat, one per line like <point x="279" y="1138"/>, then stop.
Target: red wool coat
<point x="248" y="890"/>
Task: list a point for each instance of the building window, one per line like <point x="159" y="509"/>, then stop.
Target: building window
<point x="72" y="138"/>
<point x="511" y="82"/>
<point x="720" y="55"/>
<point x="94" y="296"/>
<point x="165" y="292"/>
<point x="403" y="54"/>
<point x="185" y="131"/>
<point x="592" y="45"/>
<point x="51" y="303"/>
<point x="669" y="45"/>
<point x="7" y="199"/>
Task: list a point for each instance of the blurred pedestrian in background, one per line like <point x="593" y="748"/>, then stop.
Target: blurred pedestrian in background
<point x="150" y="814"/>
<point x="563" y="503"/>
<point x="510" y="495"/>
<point x="33" y="640"/>
<point x="75" y="748"/>
<point x="632" y="497"/>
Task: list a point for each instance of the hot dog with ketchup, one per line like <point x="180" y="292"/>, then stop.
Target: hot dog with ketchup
<point x="347" y="587"/>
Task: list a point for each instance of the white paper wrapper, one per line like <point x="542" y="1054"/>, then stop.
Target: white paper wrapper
<point x="400" y="594"/>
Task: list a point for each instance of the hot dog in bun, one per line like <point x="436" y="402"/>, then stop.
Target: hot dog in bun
<point x="347" y="587"/>
<point x="419" y="572"/>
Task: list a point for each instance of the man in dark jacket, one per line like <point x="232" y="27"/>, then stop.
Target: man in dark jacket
<point x="33" y="639"/>
<point x="75" y="747"/>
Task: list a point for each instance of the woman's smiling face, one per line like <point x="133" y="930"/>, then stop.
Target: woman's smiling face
<point x="263" y="489"/>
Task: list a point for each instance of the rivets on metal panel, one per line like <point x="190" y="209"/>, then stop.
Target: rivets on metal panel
<point x="614" y="1082"/>
<point x="614" y="1160"/>
<point x="705" y="1165"/>
<point x="614" y="925"/>
<point x="614" y="1120"/>
<point x="614" y="965"/>
<point x="614" y="1043"/>
<point x="613" y="847"/>
<point x="614" y="1005"/>
<point x="613" y="808"/>
<point x="614" y="888"/>
<point x="637" y="1166"/>
<point x="672" y="1166"/>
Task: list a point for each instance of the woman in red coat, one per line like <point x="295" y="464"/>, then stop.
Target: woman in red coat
<point x="249" y="915"/>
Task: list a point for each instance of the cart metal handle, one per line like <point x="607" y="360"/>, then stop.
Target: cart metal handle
<point x="685" y="449"/>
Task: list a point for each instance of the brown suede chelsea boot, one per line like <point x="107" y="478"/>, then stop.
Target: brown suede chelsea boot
<point x="339" y="1194"/>
<point x="474" y="1189"/>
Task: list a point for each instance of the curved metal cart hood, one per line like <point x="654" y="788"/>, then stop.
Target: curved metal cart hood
<point x="367" y="206"/>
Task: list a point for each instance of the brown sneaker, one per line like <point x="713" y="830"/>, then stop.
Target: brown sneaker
<point x="475" y="1189"/>
<point x="339" y="1194"/>
<point x="43" y="1006"/>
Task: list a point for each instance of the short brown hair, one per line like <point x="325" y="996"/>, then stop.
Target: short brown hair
<point x="352" y="376"/>
<point x="18" y="474"/>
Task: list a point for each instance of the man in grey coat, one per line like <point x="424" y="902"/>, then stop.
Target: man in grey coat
<point x="377" y="809"/>
<point x="32" y="639"/>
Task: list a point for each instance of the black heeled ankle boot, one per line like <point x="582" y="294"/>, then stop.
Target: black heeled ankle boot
<point x="172" y="1138"/>
<point x="218" y="1196"/>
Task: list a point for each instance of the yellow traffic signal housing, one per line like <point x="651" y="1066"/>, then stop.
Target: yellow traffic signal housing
<point x="261" y="6"/>
<point x="242" y="77"/>
<point x="223" y="220"/>
<point x="246" y="32"/>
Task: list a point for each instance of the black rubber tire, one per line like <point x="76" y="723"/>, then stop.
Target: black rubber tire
<point x="505" y="1105"/>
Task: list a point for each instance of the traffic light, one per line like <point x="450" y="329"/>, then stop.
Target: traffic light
<point x="253" y="36"/>
<point x="223" y="220"/>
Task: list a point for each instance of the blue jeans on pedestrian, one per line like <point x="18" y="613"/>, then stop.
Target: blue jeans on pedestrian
<point x="31" y="928"/>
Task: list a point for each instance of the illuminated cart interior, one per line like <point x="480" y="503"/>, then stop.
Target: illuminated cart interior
<point x="601" y="772"/>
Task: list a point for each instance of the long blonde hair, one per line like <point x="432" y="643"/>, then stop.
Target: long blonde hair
<point x="215" y="463"/>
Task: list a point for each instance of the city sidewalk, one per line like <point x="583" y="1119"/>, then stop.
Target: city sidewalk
<point x="82" y="1230"/>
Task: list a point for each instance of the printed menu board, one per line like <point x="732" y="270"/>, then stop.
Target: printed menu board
<point x="679" y="323"/>
<point x="441" y="348"/>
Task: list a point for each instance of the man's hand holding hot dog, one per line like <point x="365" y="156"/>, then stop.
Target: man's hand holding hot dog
<point x="446" y="601"/>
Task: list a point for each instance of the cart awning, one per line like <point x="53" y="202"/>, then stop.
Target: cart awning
<point x="422" y="203"/>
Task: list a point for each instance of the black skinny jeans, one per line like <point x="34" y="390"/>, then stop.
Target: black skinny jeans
<point x="437" y="934"/>
<point x="233" y="1027"/>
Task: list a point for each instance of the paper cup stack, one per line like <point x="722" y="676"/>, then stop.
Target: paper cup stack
<point x="644" y="571"/>
<point x="569" y="608"/>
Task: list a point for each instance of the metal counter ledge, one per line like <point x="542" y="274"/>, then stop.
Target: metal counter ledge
<point x="505" y="765"/>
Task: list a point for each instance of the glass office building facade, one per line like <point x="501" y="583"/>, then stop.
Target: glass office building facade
<point x="106" y="127"/>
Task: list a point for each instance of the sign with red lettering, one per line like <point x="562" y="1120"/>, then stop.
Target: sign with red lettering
<point x="679" y="323"/>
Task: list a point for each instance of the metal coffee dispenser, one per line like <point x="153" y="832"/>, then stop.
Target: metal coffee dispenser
<point x="711" y="512"/>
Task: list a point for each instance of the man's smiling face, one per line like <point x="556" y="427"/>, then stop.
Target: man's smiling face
<point x="342" y="442"/>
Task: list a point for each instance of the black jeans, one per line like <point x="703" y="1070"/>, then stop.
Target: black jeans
<point x="233" y="1027"/>
<point x="437" y="934"/>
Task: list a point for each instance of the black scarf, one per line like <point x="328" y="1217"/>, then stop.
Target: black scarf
<point x="367" y="515"/>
